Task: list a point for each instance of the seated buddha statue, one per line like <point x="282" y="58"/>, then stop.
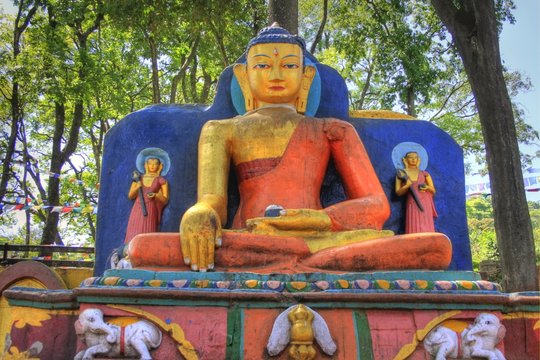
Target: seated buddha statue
<point x="280" y="157"/>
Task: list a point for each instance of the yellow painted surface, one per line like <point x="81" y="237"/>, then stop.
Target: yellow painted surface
<point x="522" y="315"/>
<point x="73" y="277"/>
<point x="328" y="240"/>
<point x="7" y="314"/>
<point x="525" y="315"/>
<point x="19" y="317"/>
<point x="122" y="320"/>
<point x="455" y="325"/>
<point x="274" y="74"/>
<point x="379" y="114"/>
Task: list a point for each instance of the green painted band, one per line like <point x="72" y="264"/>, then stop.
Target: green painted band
<point x="363" y="336"/>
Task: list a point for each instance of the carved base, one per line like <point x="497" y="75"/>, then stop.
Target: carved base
<point x="231" y="316"/>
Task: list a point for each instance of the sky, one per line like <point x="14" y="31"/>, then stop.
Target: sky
<point x="520" y="50"/>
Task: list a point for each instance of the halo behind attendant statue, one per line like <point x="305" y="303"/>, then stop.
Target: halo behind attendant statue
<point x="401" y="149"/>
<point x="153" y="153"/>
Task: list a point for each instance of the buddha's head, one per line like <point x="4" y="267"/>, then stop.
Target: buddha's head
<point x="274" y="72"/>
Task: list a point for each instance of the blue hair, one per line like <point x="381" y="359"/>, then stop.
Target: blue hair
<point x="276" y="34"/>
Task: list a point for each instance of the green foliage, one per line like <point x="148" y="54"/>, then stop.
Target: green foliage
<point x="534" y="212"/>
<point x="482" y="229"/>
<point x="112" y="58"/>
<point x="393" y="48"/>
<point x="397" y="55"/>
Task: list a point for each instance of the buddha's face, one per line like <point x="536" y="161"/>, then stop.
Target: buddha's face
<point x="274" y="72"/>
<point x="412" y="159"/>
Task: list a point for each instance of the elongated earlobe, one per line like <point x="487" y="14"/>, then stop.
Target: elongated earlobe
<point x="240" y="72"/>
<point x="307" y="79"/>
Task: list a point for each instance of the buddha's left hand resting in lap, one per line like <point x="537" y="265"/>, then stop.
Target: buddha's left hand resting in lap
<point x="280" y="157"/>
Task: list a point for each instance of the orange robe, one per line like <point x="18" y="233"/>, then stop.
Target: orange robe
<point x="295" y="182"/>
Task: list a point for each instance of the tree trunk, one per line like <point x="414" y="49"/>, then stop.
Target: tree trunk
<point x="59" y="155"/>
<point x="365" y="89"/>
<point x="208" y="81"/>
<point x="411" y="101"/>
<point x="218" y="35"/>
<point x="156" y="95"/>
<point x="185" y="64"/>
<point x="193" y="79"/>
<point x="257" y="17"/>
<point x="285" y="13"/>
<point x="20" y="25"/>
<point x="318" y="37"/>
<point x="12" y="140"/>
<point x="50" y="230"/>
<point x="474" y="29"/>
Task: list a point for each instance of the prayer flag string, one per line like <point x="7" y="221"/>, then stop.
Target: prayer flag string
<point x="67" y="208"/>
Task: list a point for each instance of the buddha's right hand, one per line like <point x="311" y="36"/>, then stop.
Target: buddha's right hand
<point x="200" y="233"/>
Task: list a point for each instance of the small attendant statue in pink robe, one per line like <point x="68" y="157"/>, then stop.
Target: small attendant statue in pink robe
<point x="418" y="185"/>
<point x="150" y="192"/>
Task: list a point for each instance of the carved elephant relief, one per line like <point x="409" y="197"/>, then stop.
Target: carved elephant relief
<point x="477" y="341"/>
<point x="101" y="338"/>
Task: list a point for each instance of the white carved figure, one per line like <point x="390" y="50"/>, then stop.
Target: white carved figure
<point x="280" y="336"/>
<point x="119" y="263"/>
<point x="481" y="338"/>
<point x="442" y="342"/>
<point x="478" y="340"/>
<point x="102" y="338"/>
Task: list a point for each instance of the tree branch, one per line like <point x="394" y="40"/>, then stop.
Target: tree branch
<point x="452" y="92"/>
<point x="318" y="37"/>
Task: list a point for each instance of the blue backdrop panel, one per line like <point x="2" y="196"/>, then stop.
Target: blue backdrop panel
<point x="445" y="167"/>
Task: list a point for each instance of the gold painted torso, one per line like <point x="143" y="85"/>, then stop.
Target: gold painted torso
<point x="413" y="173"/>
<point x="148" y="179"/>
<point x="264" y="133"/>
